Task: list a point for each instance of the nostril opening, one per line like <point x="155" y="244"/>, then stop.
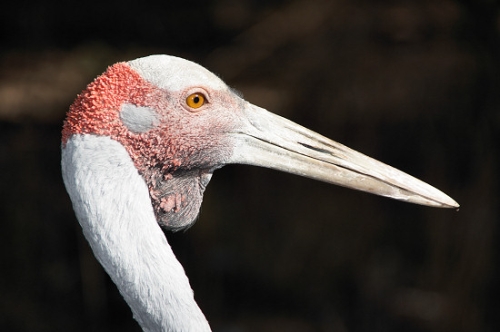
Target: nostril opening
<point x="314" y="148"/>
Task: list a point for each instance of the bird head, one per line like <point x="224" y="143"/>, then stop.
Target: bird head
<point x="179" y="123"/>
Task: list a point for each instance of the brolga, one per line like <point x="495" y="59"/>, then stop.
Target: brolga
<point x="139" y="146"/>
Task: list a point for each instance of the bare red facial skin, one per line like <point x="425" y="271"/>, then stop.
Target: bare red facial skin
<point x="177" y="157"/>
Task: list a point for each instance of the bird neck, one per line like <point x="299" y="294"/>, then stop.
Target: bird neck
<point x="112" y="204"/>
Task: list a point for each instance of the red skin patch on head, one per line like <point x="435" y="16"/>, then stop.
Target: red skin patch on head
<point x="181" y="143"/>
<point x="96" y="109"/>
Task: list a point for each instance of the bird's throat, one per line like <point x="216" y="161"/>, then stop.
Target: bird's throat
<point x="176" y="197"/>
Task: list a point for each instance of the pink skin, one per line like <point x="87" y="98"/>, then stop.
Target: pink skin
<point x="176" y="157"/>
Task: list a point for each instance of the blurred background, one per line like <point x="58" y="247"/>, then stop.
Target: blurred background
<point x="412" y="83"/>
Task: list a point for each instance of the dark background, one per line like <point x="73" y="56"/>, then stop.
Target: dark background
<point x="412" y="83"/>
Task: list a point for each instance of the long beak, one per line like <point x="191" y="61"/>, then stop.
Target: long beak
<point x="269" y="140"/>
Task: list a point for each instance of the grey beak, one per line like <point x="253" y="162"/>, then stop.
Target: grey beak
<point x="271" y="141"/>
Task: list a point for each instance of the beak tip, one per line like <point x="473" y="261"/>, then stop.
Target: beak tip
<point x="454" y="205"/>
<point x="447" y="202"/>
<point x="433" y="198"/>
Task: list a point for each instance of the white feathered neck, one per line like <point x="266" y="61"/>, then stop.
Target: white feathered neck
<point x="112" y="204"/>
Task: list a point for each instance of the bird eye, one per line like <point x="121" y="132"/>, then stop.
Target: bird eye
<point x="195" y="100"/>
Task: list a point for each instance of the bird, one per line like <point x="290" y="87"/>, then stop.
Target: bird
<point x="139" y="146"/>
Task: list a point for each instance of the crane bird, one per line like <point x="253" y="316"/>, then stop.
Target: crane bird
<point x="139" y="146"/>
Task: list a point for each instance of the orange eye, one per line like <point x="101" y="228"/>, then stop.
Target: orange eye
<point x="195" y="100"/>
